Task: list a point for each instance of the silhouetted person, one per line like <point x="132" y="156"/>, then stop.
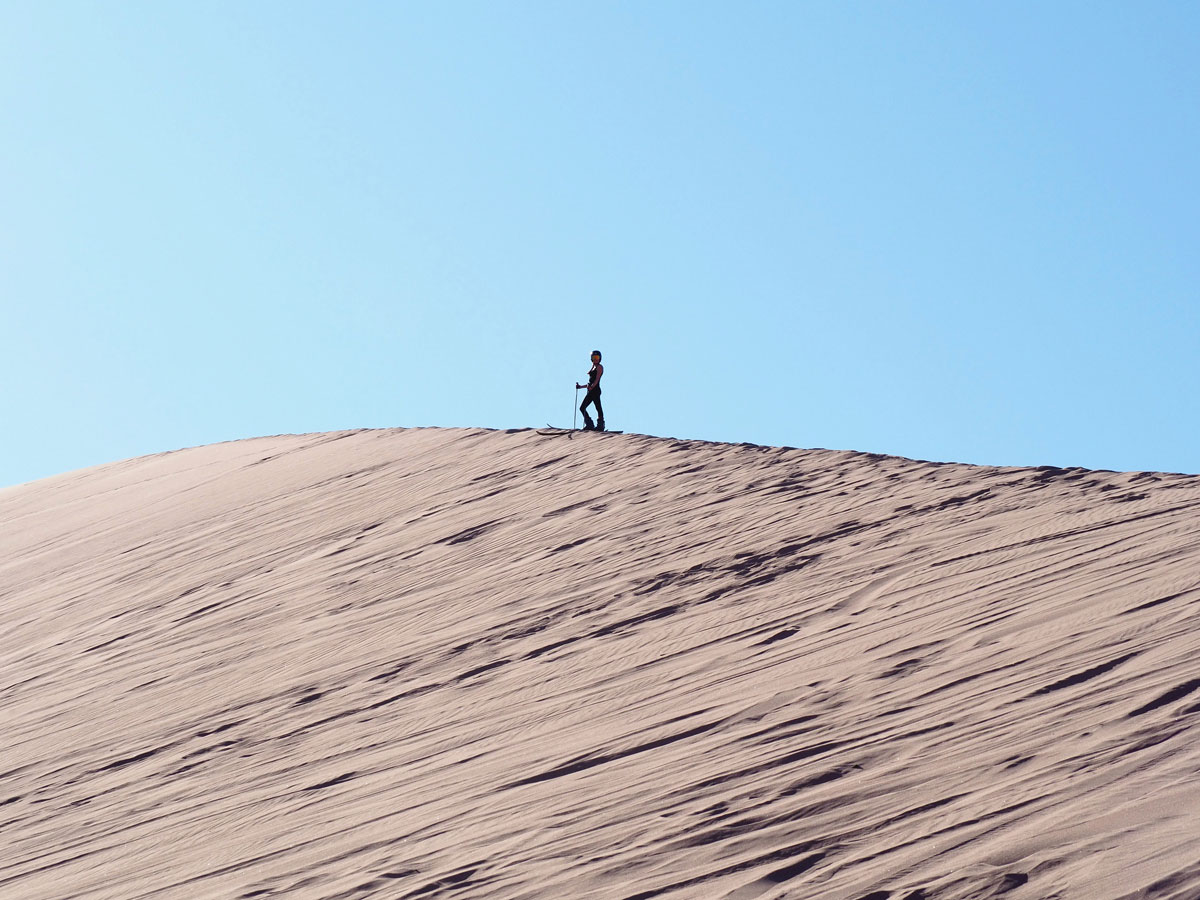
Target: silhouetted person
<point x="593" y="395"/>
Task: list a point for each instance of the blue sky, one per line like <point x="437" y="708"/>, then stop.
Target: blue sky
<point x="952" y="231"/>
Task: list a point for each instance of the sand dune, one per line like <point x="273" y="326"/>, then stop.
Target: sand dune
<point x="473" y="664"/>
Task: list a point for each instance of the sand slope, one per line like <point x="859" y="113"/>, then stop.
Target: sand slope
<point x="463" y="663"/>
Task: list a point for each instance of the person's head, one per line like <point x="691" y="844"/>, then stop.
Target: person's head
<point x="595" y="356"/>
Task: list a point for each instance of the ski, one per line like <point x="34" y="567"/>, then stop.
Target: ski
<point x="555" y="430"/>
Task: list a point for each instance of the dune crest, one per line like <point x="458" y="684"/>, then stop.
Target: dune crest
<point x="473" y="664"/>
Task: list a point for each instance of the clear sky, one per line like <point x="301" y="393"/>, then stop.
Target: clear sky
<point x="946" y="230"/>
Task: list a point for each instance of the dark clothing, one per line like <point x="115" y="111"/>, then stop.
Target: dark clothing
<point x="593" y="396"/>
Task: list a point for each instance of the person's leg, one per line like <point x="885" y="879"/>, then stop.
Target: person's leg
<point x="599" y="411"/>
<point x="588" y="399"/>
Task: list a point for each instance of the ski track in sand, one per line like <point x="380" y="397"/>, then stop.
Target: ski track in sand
<point x="474" y="664"/>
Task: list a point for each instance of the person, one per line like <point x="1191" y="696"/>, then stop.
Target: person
<point x="593" y="395"/>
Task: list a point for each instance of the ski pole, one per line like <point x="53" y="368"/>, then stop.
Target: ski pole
<point x="575" y="414"/>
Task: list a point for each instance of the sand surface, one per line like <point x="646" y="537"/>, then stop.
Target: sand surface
<point x="475" y="664"/>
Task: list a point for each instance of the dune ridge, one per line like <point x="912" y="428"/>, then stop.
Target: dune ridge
<point x="462" y="663"/>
